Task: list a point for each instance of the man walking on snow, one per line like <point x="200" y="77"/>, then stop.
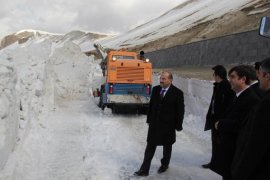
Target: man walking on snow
<point x="166" y="113"/>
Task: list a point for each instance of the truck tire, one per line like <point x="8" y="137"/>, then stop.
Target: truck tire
<point x="115" y="109"/>
<point x="100" y="103"/>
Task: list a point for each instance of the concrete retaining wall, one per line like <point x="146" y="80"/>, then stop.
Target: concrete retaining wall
<point x="237" y="48"/>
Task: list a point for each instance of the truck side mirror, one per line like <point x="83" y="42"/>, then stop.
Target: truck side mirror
<point x="265" y="27"/>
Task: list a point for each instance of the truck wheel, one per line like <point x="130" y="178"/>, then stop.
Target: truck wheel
<point x="99" y="103"/>
<point x="114" y="109"/>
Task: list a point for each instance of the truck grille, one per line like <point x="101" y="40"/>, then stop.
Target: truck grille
<point x="130" y="74"/>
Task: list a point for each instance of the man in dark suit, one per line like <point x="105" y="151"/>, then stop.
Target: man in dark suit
<point x="235" y="117"/>
<point x="252" y="157"/>
<point x="221" y="99"/>
<point x="165" y="116"/>
<point x="254" y="83"/>
<point x="257" y="66"/>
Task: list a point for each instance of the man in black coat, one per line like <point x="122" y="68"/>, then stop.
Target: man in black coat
<point x="254" y="83"/>
<point x="235" y="118"/>
<point x="221" y="99"/>
<point x="252" y="157"/>
<point x="165" y="116"/>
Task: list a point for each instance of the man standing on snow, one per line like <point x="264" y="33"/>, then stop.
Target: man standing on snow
<point x="252" y="157"/>
<point x="166" y="113"/>
<point x="254" y="83"/>
<point x="235" y="118"/>
<point x="221" y="99"/>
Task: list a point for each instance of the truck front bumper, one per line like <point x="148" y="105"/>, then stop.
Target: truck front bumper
<point x="127" y="99"/>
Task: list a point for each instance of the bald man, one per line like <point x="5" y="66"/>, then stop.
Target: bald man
<point x="165" y="116"/>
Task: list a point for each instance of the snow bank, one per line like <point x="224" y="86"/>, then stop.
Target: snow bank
<point x="197" y="96"/>
<point x="72" y="72"/>
<point x="8" y="111"/>
<point x="34" y="77"/>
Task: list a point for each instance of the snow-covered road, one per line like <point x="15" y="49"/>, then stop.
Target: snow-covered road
<point x="77" y="140"/>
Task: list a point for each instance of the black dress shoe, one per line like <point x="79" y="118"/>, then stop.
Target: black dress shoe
<point x="162" y="169"/>
<point x="206" y="166"/>
<point x="141" y="173"/>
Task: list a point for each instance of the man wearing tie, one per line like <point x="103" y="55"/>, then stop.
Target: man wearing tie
<point x="252" y="157"/>
<point x="235" y="118"/>
<point x="165" y="116"/>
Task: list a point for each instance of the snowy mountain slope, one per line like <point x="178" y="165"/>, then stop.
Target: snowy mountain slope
<point x="23" y="35"/>
<point x="83" y="39"/>
<point x="192" y="21"/>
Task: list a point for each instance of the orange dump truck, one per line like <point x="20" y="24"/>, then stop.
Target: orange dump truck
<point x="128" y="80"/>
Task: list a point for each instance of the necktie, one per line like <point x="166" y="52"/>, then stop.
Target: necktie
<point x="162" y="93"/>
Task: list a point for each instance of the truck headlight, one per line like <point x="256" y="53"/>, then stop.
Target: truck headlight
<point x="147" y="60"/>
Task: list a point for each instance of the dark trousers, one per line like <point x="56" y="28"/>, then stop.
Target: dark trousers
<point x="215" y="141"/>
<point x="149" y="153"/>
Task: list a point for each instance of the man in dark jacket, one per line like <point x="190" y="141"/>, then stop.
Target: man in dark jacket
<point x="254" y="83"/>
<point x="257" y="66"/>
<point x="166" y="113"/>
<point x="235" y="117"/>
<point x="252" y="157"/>
<point x="221" y="99"/>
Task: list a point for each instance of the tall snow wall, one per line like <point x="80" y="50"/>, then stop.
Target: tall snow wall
<point x="8" y="112"/>
<point x="34" y="78"/>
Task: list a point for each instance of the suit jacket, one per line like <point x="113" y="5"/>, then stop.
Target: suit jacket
<point x="257" y="90"/>
<point x="252" y="157"/>
<point x="165" y="115"/>
<point x="228" y="131"/>
<point x="221" y="99"/>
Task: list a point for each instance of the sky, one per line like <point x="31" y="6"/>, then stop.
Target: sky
<point x="63" y="16"/>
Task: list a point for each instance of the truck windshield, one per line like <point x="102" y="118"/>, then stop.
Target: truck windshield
<point x="120" y="57"/>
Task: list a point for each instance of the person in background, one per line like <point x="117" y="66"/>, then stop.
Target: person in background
<point x="235" y="118"/>
<point x="257" y="68"/>
<point x="254" y="83"/>
<point x="165" y="116"/>
<point x="252" y="157"/>
<point x="222" y="98"/>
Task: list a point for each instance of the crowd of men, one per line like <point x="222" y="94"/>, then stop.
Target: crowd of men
<point x="239" y="122"/>
<point x="238" y="118"/>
